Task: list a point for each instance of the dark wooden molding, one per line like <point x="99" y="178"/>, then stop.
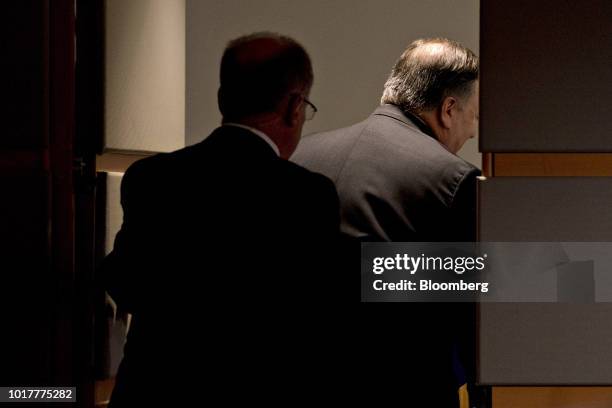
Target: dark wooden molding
<point x="551" y="164"/>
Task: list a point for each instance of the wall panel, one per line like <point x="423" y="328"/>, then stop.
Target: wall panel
<point x="546" y="76"/>
<point x="145" y="75"/>
<point x="554" y="343"/>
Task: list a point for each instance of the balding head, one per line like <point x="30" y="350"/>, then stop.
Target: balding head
<point x="258" y="71"/>
<point x="256" y="49"/>
<point x="427" y="72"/>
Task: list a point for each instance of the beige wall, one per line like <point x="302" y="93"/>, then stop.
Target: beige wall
<point x="145" y="75"/>
<point x="353" y="45"/>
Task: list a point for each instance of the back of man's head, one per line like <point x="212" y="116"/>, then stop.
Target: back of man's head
<point x="428" y="71"/>
<point x="258" y="71"/>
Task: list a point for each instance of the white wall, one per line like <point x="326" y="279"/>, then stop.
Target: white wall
<point x="353" y="45"/>
<point x="145" y="75"/>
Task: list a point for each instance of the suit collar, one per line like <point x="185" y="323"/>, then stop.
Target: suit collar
<point x="240" y="141"/>
<point x="393" y="111"/>
<point x="259" y="133"/>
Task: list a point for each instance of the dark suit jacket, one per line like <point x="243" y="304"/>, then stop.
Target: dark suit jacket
<point x="220" y="258"/>
<point x="396" y="182"/>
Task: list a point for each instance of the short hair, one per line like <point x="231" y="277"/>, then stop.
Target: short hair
<point x="428" y="71"/>
<point x="253" y="83"/>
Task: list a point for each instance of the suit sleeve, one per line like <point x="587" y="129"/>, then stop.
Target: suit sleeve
<point x="120" y="267"/>
<point x="463" y="217"/>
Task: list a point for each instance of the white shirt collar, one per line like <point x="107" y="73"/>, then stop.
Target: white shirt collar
<point x="258" y="132"/>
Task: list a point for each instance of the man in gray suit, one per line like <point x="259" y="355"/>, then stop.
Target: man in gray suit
<point x="399" y="179"/>
<point x="397" y="174"/>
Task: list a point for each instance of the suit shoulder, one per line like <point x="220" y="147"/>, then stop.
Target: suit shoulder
<point x="153" y="169"/>
<point x="327" y="144"/>
<point x="422" y="153"/>
<point x="456" y="176"/>
<point x="316" y="139"/>
<point x="139" y="176"/>
<point x="297" y="170"/>
<point x="462" y="166"/>
<point x="450" y="171"/>
<point x="307" y="177"/>
<point x="160" y="162"/>
<point x="150" y="163"/>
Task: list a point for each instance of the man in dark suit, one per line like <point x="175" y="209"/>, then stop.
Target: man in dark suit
<point x="222" y="252"/>
<point x="399" y="179"/>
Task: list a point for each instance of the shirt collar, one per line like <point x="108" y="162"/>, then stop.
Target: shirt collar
<point x="420" y="123"/>
<point x="258" y="132"/>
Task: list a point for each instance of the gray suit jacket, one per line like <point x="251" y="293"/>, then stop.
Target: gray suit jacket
<point x="395" y="181"/>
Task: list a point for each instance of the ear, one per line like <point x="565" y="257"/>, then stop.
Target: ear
<point x="291" y="114"/>
<point x="448" y="111"/>
<point x="220" y="102"/>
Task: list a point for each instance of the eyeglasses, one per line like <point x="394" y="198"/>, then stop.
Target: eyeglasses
<point x="310" y="109"/>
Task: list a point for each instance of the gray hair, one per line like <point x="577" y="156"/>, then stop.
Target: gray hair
<point x="429" y="71"/>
